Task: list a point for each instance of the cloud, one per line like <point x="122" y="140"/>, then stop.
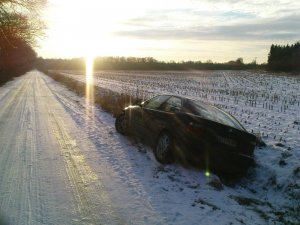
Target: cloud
<point x="238" y="15"/>
<point x="261" y="8"/>
<point x="286" y="28"/>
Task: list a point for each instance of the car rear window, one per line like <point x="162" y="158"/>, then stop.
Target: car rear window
<point x="212" y="113"/>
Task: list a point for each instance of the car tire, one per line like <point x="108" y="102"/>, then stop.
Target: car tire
<point x="121" y="124"/>
<point x="164" y="148"/>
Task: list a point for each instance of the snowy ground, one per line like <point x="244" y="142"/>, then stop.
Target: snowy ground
<point x="62" y="162"/>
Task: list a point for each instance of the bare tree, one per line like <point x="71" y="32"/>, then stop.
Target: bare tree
<point x="20" y="21"/>
<point x="20" y="26"/>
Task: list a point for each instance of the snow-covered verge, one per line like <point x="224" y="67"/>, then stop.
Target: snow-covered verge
<point x="265" y="103"/>
<point x="62" y="162"/>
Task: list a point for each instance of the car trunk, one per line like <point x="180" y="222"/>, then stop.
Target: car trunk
<point x="227" y="149"/>
<point x="229" y="138"/>
<point x="231" y="149"/>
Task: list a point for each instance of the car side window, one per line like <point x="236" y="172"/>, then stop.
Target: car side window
<point x="155" y="102"/>
<point x="173" y="104"/>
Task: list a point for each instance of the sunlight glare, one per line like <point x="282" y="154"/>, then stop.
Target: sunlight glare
<point x="89" y="86"/>
<point x="89" y="70"/>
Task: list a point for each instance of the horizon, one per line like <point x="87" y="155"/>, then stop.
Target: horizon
<point x="178" y="30"/>
<point x="84" y="58"/>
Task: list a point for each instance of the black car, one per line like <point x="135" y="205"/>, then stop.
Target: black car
<point x="190" y="131"/>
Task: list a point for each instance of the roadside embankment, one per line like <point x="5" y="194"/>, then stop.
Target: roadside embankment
<point x="109" y="101"/>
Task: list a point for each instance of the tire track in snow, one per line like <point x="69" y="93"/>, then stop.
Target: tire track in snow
<point x="31" y="190"/>
<point x="18" y="152"/>
<point x="86" y="186"/>
<point x="112" y="150"/>
<point x="9" y="172"/>
<point x="72" y="158"/>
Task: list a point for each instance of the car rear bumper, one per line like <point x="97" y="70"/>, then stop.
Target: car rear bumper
<point x="217" y="158"/>
<point x="232" y="162"/>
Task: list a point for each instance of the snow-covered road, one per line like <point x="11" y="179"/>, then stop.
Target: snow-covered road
<point x="62" y="162"/>
<point x="45" y="176"/>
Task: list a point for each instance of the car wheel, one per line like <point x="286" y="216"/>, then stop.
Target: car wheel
<point x="121" y="124"/>
<point x="163" y="149"/>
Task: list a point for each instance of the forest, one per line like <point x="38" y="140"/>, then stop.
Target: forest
<point x="280" y="58"/>
<point x="148" y="63"/>
<point x="284" y="58"/>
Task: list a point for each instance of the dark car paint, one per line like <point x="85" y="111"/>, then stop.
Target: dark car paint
<point x="148" y="123"/>
<point x="197" y="140"/>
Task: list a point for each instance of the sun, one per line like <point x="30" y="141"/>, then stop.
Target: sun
<point x="94" y="27"/>
<point x="81" y="28"/>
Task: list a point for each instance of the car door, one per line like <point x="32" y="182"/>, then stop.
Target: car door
<point x="143" y="116"/>
<point x="162" y="118"/>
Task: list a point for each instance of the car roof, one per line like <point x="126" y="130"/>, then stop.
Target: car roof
<point x="191" y="99"/>
<point x="204" y="103"/>
<point x="186" y="99"/>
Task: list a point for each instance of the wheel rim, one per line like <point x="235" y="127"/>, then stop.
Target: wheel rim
<point x="163" y="146"/>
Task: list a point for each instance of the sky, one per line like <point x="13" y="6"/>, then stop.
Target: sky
<point x="169" y="30"/>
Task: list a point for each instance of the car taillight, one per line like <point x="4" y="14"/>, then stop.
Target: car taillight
<point x="194" y="128"/>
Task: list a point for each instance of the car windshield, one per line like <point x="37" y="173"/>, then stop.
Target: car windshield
<point x="215" y="114"/>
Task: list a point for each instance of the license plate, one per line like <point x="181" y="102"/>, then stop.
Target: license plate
<point x="227" y="141"/>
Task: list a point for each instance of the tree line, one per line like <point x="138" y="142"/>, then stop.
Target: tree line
<point x="284" y="57"/>
<point x="20" y="26"/>
<point x="147" y="63"/>
<point x="280" y="58"/>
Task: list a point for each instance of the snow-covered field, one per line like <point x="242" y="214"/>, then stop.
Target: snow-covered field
<point x="62" y="162"/>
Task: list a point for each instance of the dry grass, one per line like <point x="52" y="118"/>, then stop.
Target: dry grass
<point x="109" y="101"/>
